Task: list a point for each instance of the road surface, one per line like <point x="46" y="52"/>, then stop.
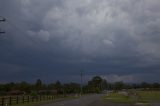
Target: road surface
<point x="90" y="100"/>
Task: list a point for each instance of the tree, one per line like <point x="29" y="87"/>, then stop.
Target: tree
<point x="72" y="88"/>
<point x="105" y="84"/>
<point x="58" y="87"/>
<point x="51" y="86"/>
<point x="24" y="86"/>
<point x="119" y="85"/>
<point x="58" y="84"/>
<point x="9" y="86"/>
<point x="38" y="85"/>
<point x="97" y="81"/>
<point x="95" y="85"/>
<point x="145" y="85"/>
<point x="156" y="85"/>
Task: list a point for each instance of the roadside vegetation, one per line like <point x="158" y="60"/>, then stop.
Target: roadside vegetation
<point x="116" y="97"/>
<point x="34" y="103"/>
<point x="139" y="97"/>
<point x="39" y="103"/>
<point x="123" y="92"/>
<point x="148" y="96"/>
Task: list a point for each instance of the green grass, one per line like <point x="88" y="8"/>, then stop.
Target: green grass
<point x="36" y="103"/>
<point x="142" y="98"/>
<point x="118" y="98"/>
<point x="148" y="96"/>
<point x="45" y="102"/>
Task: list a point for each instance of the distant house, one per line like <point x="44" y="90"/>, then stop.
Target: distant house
<point x="46" y="92"/>
<point x="16" y="92"/>
<point x="42" y="92"/>
<point x="53" y="92"/>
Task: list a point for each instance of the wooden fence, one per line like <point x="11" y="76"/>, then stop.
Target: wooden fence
<point x="13" y="100"/>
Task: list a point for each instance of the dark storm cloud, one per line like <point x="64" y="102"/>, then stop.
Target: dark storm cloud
<point x="113" y="38"/>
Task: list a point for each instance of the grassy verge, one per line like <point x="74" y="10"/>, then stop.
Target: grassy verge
<point x="118" y="98"/>
<point x="141" y="98"/>
<point x="148" y="96"/>
<point x="34" y="103"/>
<point x="45" y="102"/>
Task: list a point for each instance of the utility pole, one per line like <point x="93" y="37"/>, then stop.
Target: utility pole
<point x="81" y="82"/>
<point x="2" y="20"/>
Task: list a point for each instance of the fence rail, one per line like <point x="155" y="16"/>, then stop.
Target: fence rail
<point x="13" y="100"/>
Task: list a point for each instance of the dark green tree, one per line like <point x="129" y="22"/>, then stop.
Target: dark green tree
<point x="119" y="85"/>
<point x="38" y="85"/>
<point x="24" y="86"/>
<point x="58" y="86"/>
<point x="95" y="85"/>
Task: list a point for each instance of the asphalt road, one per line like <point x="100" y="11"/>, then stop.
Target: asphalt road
<point x="90" y="100"/>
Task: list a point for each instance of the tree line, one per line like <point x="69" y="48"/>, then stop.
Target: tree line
<point x="95" y="85"/>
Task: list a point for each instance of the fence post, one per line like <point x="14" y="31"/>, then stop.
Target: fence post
<point x="36" y="98"/>
<point x="17" y="100"/>
<point x="22" y="99"/>
<point x="28" y="98"/>
<point x="10" y="100"/>
<point x="32" y="98"/>
<point x="6" y="101"/>
<point x="40" y="98"/>
<point x="2" y="101"/>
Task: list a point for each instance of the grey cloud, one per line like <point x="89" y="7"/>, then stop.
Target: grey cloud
<point x="120" y="36"/>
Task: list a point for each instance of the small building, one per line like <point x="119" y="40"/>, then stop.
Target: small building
<point x="16" y="92"/>
<point x="47" y="92"/>
<point x="42" y="92"/>
<point x="53" y="92"/>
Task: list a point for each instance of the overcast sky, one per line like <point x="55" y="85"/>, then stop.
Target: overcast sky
<point x="56" y="39"/>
